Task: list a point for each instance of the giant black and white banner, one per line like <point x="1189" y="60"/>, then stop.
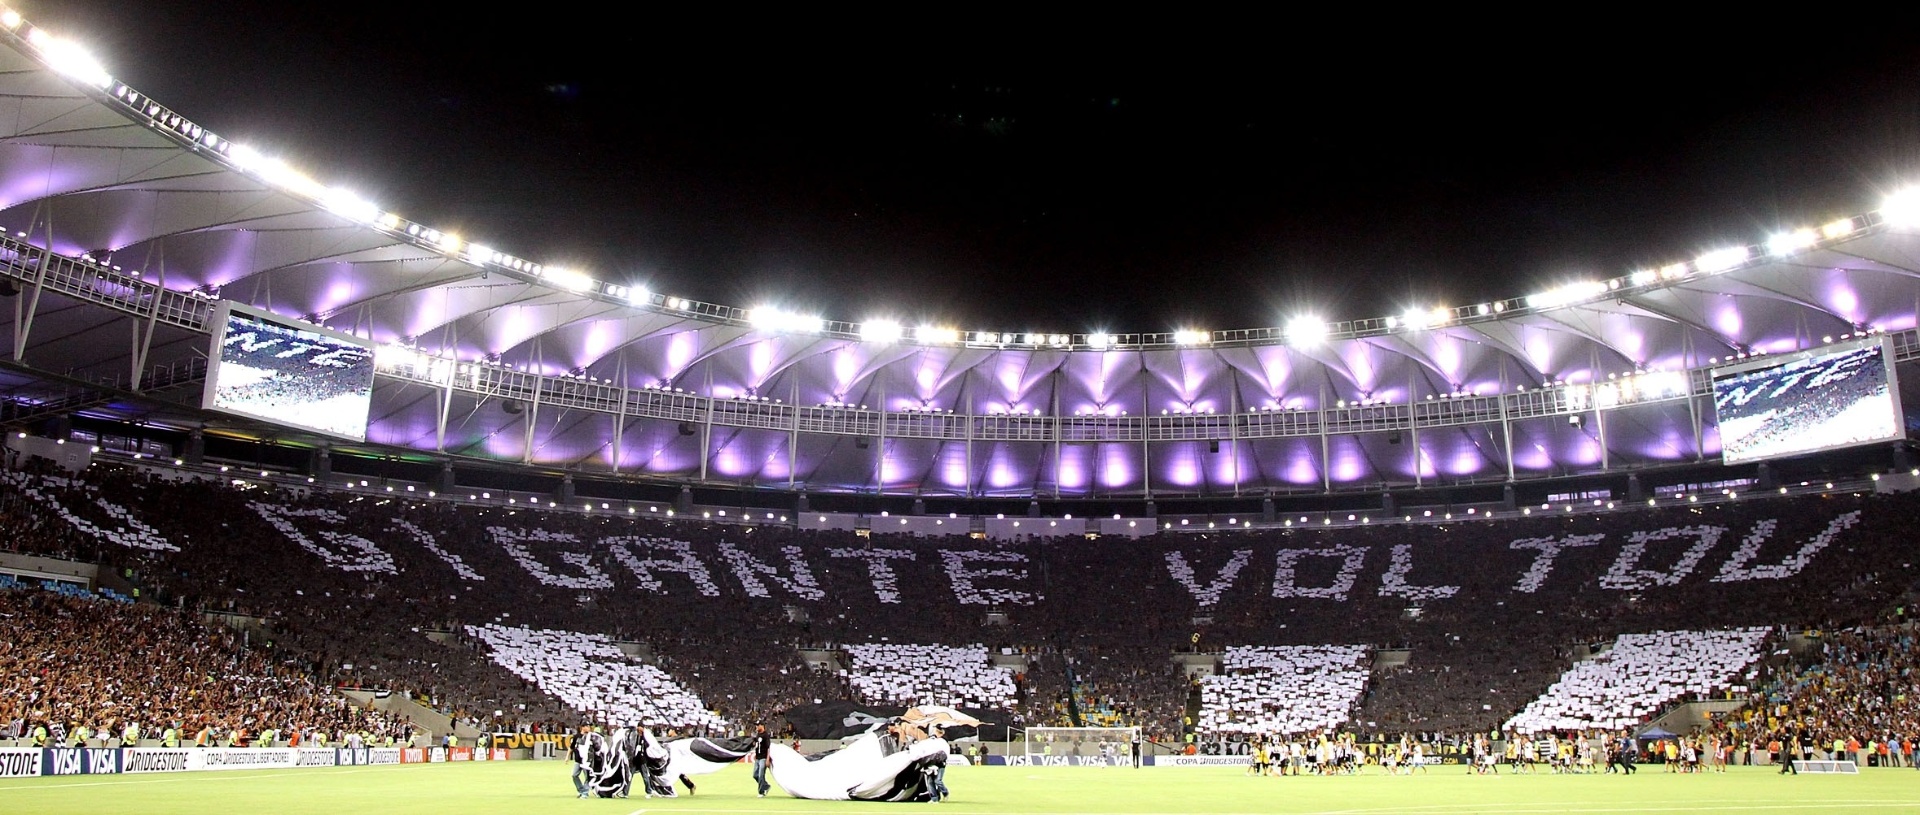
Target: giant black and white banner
<point x="842" y="719"/>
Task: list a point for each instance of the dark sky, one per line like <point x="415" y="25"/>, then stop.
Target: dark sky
<point x="1180" y="173"/>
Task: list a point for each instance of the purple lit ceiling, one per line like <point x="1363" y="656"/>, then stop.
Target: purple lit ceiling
<point x="713" y="398"/>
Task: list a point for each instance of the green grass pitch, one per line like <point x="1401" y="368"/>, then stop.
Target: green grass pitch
<point x="540" y="787"/>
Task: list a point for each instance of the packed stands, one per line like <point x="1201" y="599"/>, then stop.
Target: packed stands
<point x="901" y="674"/>
<point x="68" y="662"/>
<point x="1854" y="685"/>
<point x="1638" y="675"/>
<point x="1286" y="689"/>
<point x="352" y="584"/>
<point x="592" y="675"/>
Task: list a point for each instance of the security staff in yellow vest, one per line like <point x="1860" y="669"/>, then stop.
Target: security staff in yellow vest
<point x="77" y="737"/>
<point x="39" y="735"/>
<point x="170" y="737"/>
<point x="130" y="737"/>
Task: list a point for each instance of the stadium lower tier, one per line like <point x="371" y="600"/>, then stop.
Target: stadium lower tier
<point x="504" y="618"/>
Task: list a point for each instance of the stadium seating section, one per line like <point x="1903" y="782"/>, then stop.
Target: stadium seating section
<point x="531" y="608"/>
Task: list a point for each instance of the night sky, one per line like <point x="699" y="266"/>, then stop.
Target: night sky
<point x="1212" y="173"/>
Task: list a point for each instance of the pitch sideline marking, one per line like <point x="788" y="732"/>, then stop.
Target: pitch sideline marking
<point x="1546" y="811"/>
<point x="1824" y="804"/>
<point x="158" y="778"/>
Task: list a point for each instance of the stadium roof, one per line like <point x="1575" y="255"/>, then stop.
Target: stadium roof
<point x="151" y="218"/>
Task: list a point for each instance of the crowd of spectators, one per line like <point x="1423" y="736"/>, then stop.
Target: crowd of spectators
<point x="591" y="674"/>
<point x="1637" y="676"/>
<point x="73" y="668"/>
<point x="1137" y="686"/>
<point x="911" y="674"/>
<point x="1284" y="689"/>
<point x="1854" y="688"/>
<point x="1487" y="610"/>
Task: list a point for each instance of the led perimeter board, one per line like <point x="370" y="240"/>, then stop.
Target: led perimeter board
<point x="268" y="367"/>
<point x="1835" y="396"/>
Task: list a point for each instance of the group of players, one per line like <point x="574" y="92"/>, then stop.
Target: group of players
<point x="1342" y="755"/>
<point x="1525" y="756"/>
<point x="1329" y="755"/>
<point x="1583" y="754"/>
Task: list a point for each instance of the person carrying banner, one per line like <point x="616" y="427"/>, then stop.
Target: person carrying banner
<point x="762" y="743"/>
<point x="583" y="755"/>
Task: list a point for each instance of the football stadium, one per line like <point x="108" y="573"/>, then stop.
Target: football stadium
<point x="311" y="507"/>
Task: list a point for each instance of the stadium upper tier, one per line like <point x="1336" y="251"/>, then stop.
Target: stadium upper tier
<point x="151" y="220"/>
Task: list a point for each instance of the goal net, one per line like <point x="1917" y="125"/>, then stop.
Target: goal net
<point x="1079" y="743"/>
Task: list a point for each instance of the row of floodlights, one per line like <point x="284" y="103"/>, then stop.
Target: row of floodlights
<point x="536" y="501"/>
<point x="398" y="356"/>
<point x="1616" y="389"/>
<point x="1900" y="210"/>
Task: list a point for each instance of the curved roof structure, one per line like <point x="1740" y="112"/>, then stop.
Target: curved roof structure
<point x="124" y="221"/>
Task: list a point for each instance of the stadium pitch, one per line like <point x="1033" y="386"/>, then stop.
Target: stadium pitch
<point x="538" y="787"/>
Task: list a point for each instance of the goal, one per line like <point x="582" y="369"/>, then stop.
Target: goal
<point x="1077" y="745"/>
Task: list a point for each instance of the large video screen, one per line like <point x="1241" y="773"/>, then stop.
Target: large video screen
<point x="1836" y="396"/>
<point x="272" y="368"/>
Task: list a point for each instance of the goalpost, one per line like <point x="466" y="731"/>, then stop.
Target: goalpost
<point x="1081" y="745"/>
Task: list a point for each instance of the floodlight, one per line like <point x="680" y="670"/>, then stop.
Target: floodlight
<point x="1568" y="293"/>
<point x="568" y="279"/>
<point x="345" y="202"/>
<point x="773" y="319"/>
<point x="1790" y="243"/>
<point x="1721" y="260"/>
<point x="880" y="331"/>
<point x="70" y="59"/>
<point x="1902" y="209"/>
<point x="1189" y="336"/>
<point x="934" y="333"/>
<point x="1306" y="331"/>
